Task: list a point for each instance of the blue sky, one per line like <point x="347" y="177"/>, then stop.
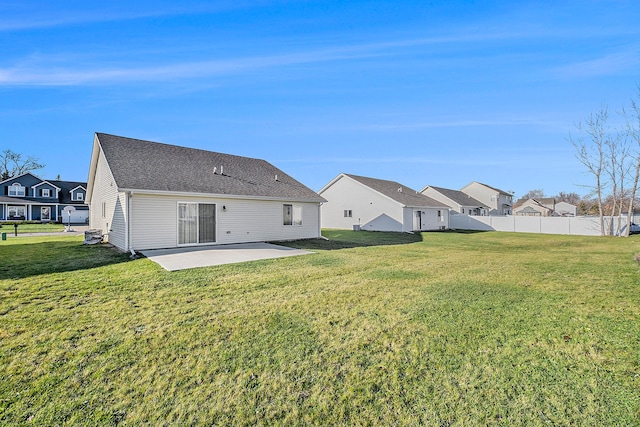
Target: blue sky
<point x="421" y="92"/>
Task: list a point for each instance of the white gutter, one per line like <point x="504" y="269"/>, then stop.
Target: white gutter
<point x="214" y="195"/>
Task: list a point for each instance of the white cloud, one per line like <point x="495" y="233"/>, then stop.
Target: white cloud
<point x="607" y="65"/>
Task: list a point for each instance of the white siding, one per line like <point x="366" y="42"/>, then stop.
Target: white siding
<point x="499" y="203"/>
<point x="105" y="193"/>
<point x="382" y="222"/>
<point x="564" y="208"/>
<point x="155" y="225"/>
<point x="368" y="207"/>
<point x="436" y="195"/>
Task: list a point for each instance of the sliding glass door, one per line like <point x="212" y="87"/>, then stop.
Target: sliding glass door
<point x="196" y="223"/>
<point x="206" y="223"/>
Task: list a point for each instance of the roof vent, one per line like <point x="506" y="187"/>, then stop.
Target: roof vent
<point x="221" y="170"/>
<point x="215" y="169"/>
<point x="400" y="190"/>
<point x="276" y="177"/>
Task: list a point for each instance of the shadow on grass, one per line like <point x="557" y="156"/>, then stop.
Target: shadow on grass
<point x="467" y="231"/>
<point x="346" y="239"/>
<point x="23" y="260"/>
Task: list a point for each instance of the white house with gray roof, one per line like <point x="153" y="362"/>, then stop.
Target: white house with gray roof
<point x="149" y="195"/>
<point x="499" y="202"/>
<point x="379" y="205"/>
<point x="457" y="201"/>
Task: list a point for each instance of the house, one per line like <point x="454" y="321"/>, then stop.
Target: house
<point x="566" y="209"/>
<point x="457" y="201"/>
<point x="543" y="206"/>
<point x="499" y="202"/>
<point x="149" y="195"/>
<point x="31" y="198"/>
<point x="379" y="205"/>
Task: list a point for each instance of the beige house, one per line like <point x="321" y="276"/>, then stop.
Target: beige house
<point x="543" y="206"/>
<point x="148" y="195"/>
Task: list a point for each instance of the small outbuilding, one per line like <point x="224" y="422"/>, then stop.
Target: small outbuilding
<point x="149" y="195"/>
<point x="372" y="204"/>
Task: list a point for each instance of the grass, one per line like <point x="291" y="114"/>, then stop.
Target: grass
<point x="47" y="227"/>
<point x="435" y="329"/>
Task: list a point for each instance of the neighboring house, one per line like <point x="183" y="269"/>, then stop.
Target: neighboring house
<point x="499" y="202"/>
<point x="148" y="195"/>
<point x="28" y="197"/>
<point x="457" y="201"/>
<point x="379" y="205"/>
<point x="566" y="209"/>
<point x="543" y="206"/>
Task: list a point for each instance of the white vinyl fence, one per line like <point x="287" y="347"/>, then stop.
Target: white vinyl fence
<point x="583" y="226"/>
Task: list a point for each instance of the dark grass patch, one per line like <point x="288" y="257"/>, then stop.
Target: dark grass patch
<point x="53" y="254"/>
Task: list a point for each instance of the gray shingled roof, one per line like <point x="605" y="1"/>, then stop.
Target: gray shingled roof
<point x="65" y="189"/>
<point x="146" y="165"/>
<point x="495" y="189"/>
<point x="458" y="196"/>
<point x="406" y="197"/>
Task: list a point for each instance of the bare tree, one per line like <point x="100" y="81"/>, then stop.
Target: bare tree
<point x="534" y="194"/>
<point x="13" y="164"/>
<point x="617" y="169"/>
<point x="590" y="151"/>
<point x="573" y="198"/>
<point x="632" y="129"/>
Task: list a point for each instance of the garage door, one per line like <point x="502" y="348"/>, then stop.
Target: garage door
<point x="77" y="217"/>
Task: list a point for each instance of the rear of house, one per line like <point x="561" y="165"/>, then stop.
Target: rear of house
<point x="357" y="202"/>
<point x="148" y="195"/>
<point x="457" y="201"/>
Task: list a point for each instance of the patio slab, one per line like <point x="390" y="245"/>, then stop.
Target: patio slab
<point x="194" y="257"/>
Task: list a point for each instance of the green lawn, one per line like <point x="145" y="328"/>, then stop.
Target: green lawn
<point x="49" y="227"/>
<point x="373" y="329"/>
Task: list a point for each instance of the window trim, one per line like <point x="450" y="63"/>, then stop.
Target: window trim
<point x="197" y="223"/>
<point x="42" y="211"/>
<point x="295" y="213"/>
<point x="16" y="207"/>
<point x="15" y="186"/>
<point x="46" y="192"/>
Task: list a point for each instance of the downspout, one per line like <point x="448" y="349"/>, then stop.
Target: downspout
<point x="320" y="236"/>
<point x="128" y="228"/>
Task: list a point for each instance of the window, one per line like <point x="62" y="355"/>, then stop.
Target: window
<point x="46" y="192"/>
<point x="45" y="213"/>
<point x="17" y="190"/>
<point x="291" y="214"/>
<point x="17" y="212"/>
<point x="348" y="213"/>
<point x="79" y="197"/>
<point x="196" y="223"/>
<point x="440" y="217"/>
